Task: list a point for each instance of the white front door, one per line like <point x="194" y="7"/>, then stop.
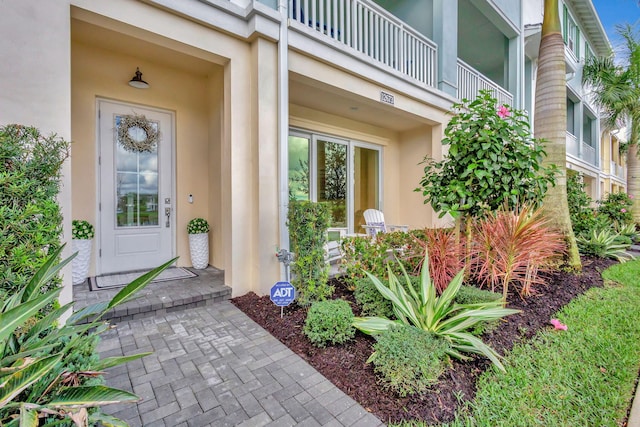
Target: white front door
<point x="136" y="216"/>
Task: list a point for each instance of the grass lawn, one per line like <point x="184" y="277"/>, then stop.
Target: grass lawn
<point x="584" y="376"/>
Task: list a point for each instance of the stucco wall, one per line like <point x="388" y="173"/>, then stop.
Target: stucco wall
<point x="35" y="84"/>
<point x="101" y="73"/>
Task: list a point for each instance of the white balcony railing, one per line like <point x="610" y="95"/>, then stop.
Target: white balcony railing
<point x="368" y="28"/>
<point x="617" y="170"/>
<point x="588" y="154"/>
<point x="471" y="81"/>
<point x="573" y="147"/>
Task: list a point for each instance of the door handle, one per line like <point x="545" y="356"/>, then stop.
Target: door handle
<point x="167" y="213"/>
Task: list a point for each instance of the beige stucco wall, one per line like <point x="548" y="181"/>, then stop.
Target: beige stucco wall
<point x="234" y="166"/>
<point x="99" y="73"/>
<point x="35" y="84"/>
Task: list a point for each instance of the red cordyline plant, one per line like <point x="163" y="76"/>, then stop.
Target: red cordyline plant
<point x="446" y="256"/>
<point x="512" y="248"/>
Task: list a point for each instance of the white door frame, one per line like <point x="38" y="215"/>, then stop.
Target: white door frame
<point x="171" y="174"/>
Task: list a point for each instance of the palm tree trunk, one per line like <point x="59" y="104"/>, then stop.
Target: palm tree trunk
<point x="551" y="123"/>
<point x="633" y="180"/>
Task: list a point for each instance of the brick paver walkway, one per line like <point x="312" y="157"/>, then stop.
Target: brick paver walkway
<point x="213" y="366"/>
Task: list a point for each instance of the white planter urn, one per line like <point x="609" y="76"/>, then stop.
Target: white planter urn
<point x="80" y="264"/>
<point x="199" y="247"/>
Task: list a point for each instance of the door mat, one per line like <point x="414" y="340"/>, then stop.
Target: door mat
<point x="117" y="280"/>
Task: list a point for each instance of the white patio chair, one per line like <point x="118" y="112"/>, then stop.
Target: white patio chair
<point x="375" y="223"/>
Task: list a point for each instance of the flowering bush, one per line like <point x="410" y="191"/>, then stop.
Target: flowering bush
<point x="493" y="160"/>
<point x="617" y="208"/>
<point x="81" y="229"/>
<point x="198" y="226"/>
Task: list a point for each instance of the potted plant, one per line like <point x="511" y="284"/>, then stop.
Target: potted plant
<point x="198" y="229"/>
<point x="82" y="233"/>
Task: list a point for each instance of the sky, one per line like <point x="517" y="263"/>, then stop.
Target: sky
<point x="614" y="12"/>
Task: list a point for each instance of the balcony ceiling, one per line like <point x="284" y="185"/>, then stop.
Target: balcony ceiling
<point x="480" y="43"/>
<point x="325" y="98"/>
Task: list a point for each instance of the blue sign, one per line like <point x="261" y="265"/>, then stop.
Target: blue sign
<point x="283" y="294"/>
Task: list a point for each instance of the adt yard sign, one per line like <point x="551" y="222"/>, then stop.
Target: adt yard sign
<point x="283" y="294"/>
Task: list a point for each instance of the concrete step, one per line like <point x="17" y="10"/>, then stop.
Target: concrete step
<point x="159" y="298"/>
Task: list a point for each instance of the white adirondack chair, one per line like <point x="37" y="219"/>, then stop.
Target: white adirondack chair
<point x="375" y="223"/>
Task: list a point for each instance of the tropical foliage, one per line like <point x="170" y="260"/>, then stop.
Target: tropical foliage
<point x="513" y="248"/>
<point x="617" y="92"/>
<point x="40" y="376"/>
<point x="492" y="161"/>
<point x="604" y="243"/>
<point x="421" y="307"/>
<point x="30" y="218"/>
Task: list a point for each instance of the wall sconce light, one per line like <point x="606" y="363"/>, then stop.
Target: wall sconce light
<point x="137" y="81"/>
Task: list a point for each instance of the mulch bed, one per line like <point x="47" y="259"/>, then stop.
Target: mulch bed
<point x="346" y="367"/>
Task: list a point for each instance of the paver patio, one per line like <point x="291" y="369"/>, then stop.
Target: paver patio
<point x="213" y="366"/>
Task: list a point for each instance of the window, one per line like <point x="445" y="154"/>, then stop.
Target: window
<point x="571" y="33"/>
<point x="341" y="173"/>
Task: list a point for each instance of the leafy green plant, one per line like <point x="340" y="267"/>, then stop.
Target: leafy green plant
<point x="329" y="322"/>
<point x="492" y="160"/>
<point x="512" y="248"/>
<point x="198" y="226"/>
<point x="308" y="223"/>
<point x="602" y="244"/>
<point x="421" y="307"/>
<point x="81" y="229"/>
<point x="30" y="218"/>
<point x="408" y="359"/>
<point x="583" y="216"/>
<point x="47" y="370"/>
<point x="628" y="230"/>
<point x="616" y="207"/>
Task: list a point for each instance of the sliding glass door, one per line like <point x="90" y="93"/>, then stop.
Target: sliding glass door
<point x="342" y="173"/>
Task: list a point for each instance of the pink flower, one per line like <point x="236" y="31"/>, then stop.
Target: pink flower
<point x="503" y="112"/>
<point x="630" y="196"/>
<point x="623" y="210"/>
<point x="558" y="325"/>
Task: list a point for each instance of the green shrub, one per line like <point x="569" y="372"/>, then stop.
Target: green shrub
<point x="616" y="207"/>
<point x="30" y="218"/>
<point x="371" y="301"/>
<point x="473" y="295"/>
<point x="308" y="223"/>
<point x="329" y="322"/>
<point x="583" y="216"/>
<point x="407" y="359"/>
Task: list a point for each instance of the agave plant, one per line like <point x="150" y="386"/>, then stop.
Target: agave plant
<point x="602" y="243"/>
<point x="628" y="230"/>
<point x="35" y="352"/>
<point x="423" y="309"/>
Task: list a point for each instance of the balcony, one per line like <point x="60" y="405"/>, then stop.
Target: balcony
<point x="589" y="154"/>
<point x="617" y="170"/>
<point x="573" y="147"/>
<point x="371" y="30"/>
<point x="471" y="82"/>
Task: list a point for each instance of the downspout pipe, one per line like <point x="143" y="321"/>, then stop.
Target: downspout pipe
<point x="283" y="125"/>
